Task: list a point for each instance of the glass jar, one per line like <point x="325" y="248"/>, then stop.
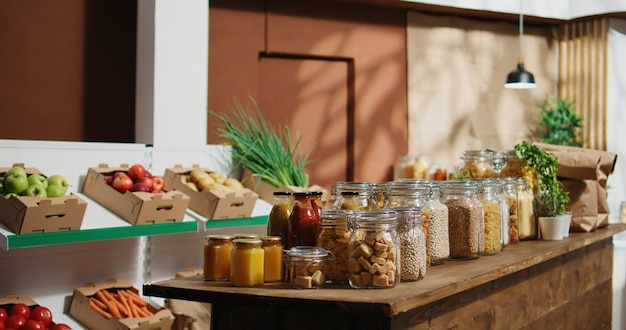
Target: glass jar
<point x="379" y="194"/>
<point x="513" y="165"/>
<point x="374" y="250"/>
<point x="438" y="239"/>
<point x="304" y="220"/>
<point x="477" y="164"/>
<point x="273" y="270"/>
<point x="509" y="186"/>
<point x="412" y="193"/>
<point x="348" y="193"/>
<point x="278" y="221"/>
<point x="217" y="257"/>
<point x="306" y="266"/>
<point x="466" y="219"/>
<point x="498" y="160"/>
<point x="247" y="263"/>
<point x="491" y="201"/>
<point x="246" y="236"/>
<point x="403" y="167"/>
<point x="335" y="232"/>
<point x="412" y="244"/>
<point x="525" y="212"/>
<point x="504" y="215"/>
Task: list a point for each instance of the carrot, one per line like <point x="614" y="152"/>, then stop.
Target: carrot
<point x="99" y="303"/>
<point x="134" y="310"/>
<point x="118" y="303"/>
<point x="97" y="308"/>
<point x="135" y="297"/>
<point x="111" y="306"/>
<point x="124" y="302"/>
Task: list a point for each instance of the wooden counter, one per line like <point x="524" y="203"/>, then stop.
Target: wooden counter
<point x="534" y="284"/>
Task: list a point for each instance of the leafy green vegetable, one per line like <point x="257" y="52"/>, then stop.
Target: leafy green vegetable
<point x="550" y="198"/>
<point x="259" y="147"/>
<point x="559" y="124"/>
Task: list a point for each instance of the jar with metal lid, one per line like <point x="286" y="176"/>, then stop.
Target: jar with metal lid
<point x="306" y="266"/>
<point x="509" y="187"/>
<point x="217" y="257"/>
<point x="278" y="220"/>
<point x="347" y="194"/>
<point x="513" y="165"/>
<point x="412" y="244"/>
<point x="247" y="263"/>
<point x="412" y="193"/>
<point x="273" y="270"/>
<point x="466" y="219"/>
<point x="335" y="232"/>
<point x="438" y="239"/>
<point x="525" y="212"/>
<point x="246" y="236"/>
<point x="374" y="250"/>
<point x="477" y="164"/>
<point x="304" y="220"/>
<point x="490" y="199"/>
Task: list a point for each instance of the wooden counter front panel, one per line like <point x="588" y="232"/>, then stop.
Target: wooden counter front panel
<point x="567" y="292"/>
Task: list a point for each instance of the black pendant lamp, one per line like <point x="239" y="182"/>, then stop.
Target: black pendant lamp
<point x="520" y="78"/>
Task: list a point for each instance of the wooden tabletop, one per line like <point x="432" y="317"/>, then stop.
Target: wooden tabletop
<point x="440" y="282"/>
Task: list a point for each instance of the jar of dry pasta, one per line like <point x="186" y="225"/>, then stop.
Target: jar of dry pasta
<point x="513" y="165"/>
<point x="477" y="164"/>
<point x="509" y="188"/>
<point x="466" y="219"/>
<point x="335" y="232"/>
<point x="491" y="205"/>
<point x="374" y="250"/>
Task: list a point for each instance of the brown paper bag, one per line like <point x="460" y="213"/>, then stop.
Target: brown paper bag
<point x="584" y="173"/>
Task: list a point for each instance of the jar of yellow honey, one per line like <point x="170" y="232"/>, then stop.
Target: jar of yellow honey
<point x="247" y="263"/>
<point x="273" y="259"/>
<point x="217" y="257"/>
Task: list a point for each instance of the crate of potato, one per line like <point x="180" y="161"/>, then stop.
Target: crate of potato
<point x="116" y="304"/>
<point x="213" y="195"/>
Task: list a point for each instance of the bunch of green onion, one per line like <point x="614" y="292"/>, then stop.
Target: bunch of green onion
<point x="259" y="148"/>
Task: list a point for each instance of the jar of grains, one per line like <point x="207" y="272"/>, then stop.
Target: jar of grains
<point x="477" y="164"/>
<point x="513" y="165"/>
<point x="412" y="193"/>
<point x="465" y="219"/>
<point x="438" y="241"/>
<point x="509" y="187"/>
<point x="525" y="212"/>
<point x="335" y="232"/>
<point x="348" y="193"/>
<point x="491" y="206"/>
<point x="374" y="250"/>
<point x="412" y="244"/>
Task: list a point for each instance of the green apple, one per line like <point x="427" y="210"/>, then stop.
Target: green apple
<point x="2" y="191"/>
<point x="58" y="180"/>
<point x="37" y="179"/>
<point x="9" y="195"/>
<point x="15" y="182"/>
<point x="15" y="170"/>
<point x="54" y="190"/>
<point x="35" y="190"/>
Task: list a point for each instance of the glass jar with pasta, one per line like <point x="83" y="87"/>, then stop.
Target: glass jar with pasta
<point x="513" y="165"/>
<point x="509" y="187"/>
<point x="477" y="164"/>
<point x="491" y="206"/>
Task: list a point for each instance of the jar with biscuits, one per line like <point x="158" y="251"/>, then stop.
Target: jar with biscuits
<point x="335" y="232"/>
<point x="306" y="266"/>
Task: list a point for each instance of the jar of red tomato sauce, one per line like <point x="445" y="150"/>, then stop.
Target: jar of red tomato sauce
<point x="304" y="220"/>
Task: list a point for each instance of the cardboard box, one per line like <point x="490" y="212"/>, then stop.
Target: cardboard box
<point x="266" y="190"/>
<point x="212" y="204"/>
<point x="80" y="309"/>
<point x="12" y="299"/>
<point x="23" y="214"/>
<point x="135" y="207"/>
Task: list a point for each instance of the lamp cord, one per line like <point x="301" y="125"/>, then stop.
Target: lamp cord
<point x="521" y="29"/>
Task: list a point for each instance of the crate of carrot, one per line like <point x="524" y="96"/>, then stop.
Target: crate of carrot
<point x="116" y="304"/>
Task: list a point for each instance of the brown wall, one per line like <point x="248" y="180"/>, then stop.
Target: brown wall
<point x="67" y="70"/>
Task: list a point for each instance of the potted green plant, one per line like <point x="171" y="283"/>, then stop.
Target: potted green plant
<point x="558" y="123"/>
<point x="550" y="200"/>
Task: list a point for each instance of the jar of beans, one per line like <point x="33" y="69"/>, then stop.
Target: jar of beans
<point x="335" y="232"/>
<point x="438" y="241"/>
<point x="412" y="244"/>
<point x="465" y="219"/>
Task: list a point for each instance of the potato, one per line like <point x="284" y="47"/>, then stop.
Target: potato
<point x="197" y="175"/>
<point x="205" y="182"/>
<point x="218" y="177"/>
<point x="233" y="183"/>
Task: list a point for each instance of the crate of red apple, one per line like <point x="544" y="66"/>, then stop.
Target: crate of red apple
<point x="134" y="194"/>
<point x="23" y="313"/>
<point x="32" y="202"/>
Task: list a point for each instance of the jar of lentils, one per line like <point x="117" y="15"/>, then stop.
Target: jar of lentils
<point x="374" y="250"/>
<point x="465" y="219"/>
<point x="412" y="244"/>
<point x="438" y="240"/>
<point x="335" y="232"/>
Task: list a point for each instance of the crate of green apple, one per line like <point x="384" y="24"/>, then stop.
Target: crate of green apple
<point x="134" y="194"/>
<point x="33" y="202"/>
<point x="23" y="313"/>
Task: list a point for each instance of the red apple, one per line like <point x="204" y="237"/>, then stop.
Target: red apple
<point x="147" y="181"/>
<point x="137" y="172"/>
<point x="141" y="186"/>
<point x="122" y="182"/>
<point x="159" y="183"/>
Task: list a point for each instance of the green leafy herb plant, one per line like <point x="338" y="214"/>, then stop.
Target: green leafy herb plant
<point x="559" y="124"/>
<point x="549" y="197"/>
<point x="270" y="153"/>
